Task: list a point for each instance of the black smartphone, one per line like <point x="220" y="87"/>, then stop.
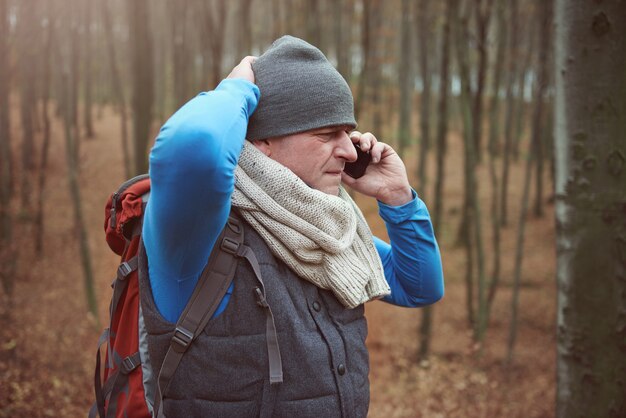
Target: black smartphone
<point x="357" y="168"/>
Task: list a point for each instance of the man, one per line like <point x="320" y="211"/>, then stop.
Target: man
<point x="319" y="261"/>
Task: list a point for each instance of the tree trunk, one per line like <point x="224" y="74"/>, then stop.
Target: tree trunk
<point x="6" y="160"/>
<point x="405" y="79"/>
<point x="8" y="251"/>
<point x="465" y="230"/>
<point x="519" y="252"/>
<point x="88" y="71"/>
<point x="74" y="188"/>
<point x="548" y="130"/>
<point x="365" y="52"/>
<point x="493" y="146"/>
<point x="424" y="40"/>
<point x="292" y="14"/>
<point x="538" y="207"/>
<point x="376" y="63"/>
<point x="473" y="232"/>
<point x="590" y="127"/>
<point x="461" y="42"/>
<point x="508" y="121"/>
<point x="162" y="66"/>
<point x="74" y="41"/>
<point x="542" y="79"/>
<point x="215" y="23"/>
<point x="483" y="16"/>
<point x="27" y="65"/>
<point x="118" y="89"/>
<point x="343" y="12"/>
<point x="244" y="30"/>
<point x="45" y="146"/>
<point x="178" y="10"/>
<point x="217" y="43"/>
<point x="443" y="113"/>
<point x="519" y="112"/>
<point x="102" y="88"/>
<point x="277" y="21"/>
<point x="142" y="80"/>
<point x="544" y="53"/>
<point x="313" y="20"/>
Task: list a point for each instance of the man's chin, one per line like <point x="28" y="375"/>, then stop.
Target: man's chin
<point x="331" y="190"/>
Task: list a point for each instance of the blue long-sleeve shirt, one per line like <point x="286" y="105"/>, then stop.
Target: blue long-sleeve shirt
<point x="192" y="168"/>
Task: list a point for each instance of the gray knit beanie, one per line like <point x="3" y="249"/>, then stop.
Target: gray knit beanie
<point x="300" y="91"/>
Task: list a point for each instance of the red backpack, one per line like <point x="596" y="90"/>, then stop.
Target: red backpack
<point x="127" y="387"/>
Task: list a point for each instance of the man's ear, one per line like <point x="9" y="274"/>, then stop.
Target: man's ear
<point x="263" y="145"/>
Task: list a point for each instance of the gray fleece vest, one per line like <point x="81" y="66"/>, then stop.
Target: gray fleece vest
<point x="225" y="371"/>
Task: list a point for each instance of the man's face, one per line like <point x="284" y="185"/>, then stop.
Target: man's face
<point x="316" y="156"/>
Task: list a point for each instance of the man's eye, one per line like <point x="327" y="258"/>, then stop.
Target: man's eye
<point x="326" y="136"/>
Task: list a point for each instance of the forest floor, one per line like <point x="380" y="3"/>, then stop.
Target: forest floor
<point x="48" y="340"/>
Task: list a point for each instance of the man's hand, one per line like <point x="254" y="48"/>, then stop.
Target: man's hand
<point x="385" y="178"/>
<point x="244" y="69"/>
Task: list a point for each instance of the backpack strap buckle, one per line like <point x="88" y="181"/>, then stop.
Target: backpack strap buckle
<point x="260" y="298"/>
<point x="127" y="267"/>
<point x="130" y="363"/>
<point x="181" y="339"/>
<point x="124" y="270"/>
<point x="230" y="246"/>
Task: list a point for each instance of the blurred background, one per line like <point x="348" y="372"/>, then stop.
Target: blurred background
<point x="462" y="89"/>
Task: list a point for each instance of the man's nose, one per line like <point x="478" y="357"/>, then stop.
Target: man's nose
<point x="345" y="148"/>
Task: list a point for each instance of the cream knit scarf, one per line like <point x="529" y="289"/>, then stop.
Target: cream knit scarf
<point x="322" y="238"/>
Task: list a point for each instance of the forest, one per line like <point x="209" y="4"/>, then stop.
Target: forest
<point x="510" y="116"/>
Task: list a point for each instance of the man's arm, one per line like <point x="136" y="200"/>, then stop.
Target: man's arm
<point x="192" y="168"/>
<point x="412" y="262"/>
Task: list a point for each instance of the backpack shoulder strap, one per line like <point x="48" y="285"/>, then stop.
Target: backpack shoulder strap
<point x="212" y="285"/>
